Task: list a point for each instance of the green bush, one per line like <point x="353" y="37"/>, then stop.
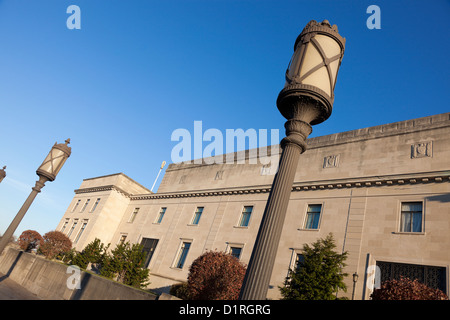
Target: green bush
<point x="126" y="263"/>
<point x="319" y="276"/>
<point x="93" y="253"/>
<point x="67" y="256"/>
<point x="80" y="260"/>
<point x="180" y="290"/>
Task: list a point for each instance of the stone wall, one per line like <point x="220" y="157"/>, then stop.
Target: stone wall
<point x="48" y="280"/>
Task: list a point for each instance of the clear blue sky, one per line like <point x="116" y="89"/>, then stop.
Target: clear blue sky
<point x="139" y="69"/>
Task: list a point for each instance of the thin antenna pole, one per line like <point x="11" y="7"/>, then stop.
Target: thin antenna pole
<point x="162" y="166"/>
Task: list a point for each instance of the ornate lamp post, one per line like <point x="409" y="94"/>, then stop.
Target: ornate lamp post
<point x="2" y="173"/>
<point x="47" y="171"/>
<point x="306" y="99"/>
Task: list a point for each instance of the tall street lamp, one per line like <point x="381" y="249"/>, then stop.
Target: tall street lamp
<point x="306" y="99"/>
<point x="47" y="171"/>
<point x="2" y="173"/>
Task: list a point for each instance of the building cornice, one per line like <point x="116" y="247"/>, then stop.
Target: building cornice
<point x="103" y="188"/>
<point x="357" y="182"/>
<point x="118" y="174"/>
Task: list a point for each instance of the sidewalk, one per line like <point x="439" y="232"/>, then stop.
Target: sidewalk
<point x="10" y="290"/>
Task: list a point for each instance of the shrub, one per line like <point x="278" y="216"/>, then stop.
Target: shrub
<point x="54" y="244"/>
<point x="94" y="252"/>
<point x="67" y="256"/>
<point x="215" y="276"/>
<point x="80" y="260"/>
<point x="406" y="289"/>
<point x="29" y="240"/>
<point x="180" y="290"/>
<point x="126" y="262"/>
<point x="319" y="276"/>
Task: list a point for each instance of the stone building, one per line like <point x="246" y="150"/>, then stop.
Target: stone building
<point x="382" y="191"/>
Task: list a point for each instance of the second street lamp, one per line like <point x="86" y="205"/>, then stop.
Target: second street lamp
<point x="2" y="173"/>
<point x="47" y="171"/>
<point x="306" y="99"/>
<point x="355" y="280"/>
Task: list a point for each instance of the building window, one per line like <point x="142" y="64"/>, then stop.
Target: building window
<point x="85" y="205"/>
<point x="245" y="216"/>
<point x="236" y="252"/>
<point x="197" y="215"/>
<point x="75" y="222"/>
<point x="133" y="215"/>
<point x="235" y="249"/>
<point x="299" y="261"/>
<point x="160" y="215"/>
<point x="76" y="205"/>
<point x="182" y="254"/>
<point x="95" y="204"/>
<point x="81" y="231"/>
<point x="122" y="239"/>
<point x="65" y="225"/>
<point x="411" y="217"/>
<point x="313" y="216"/>
<point x="148" y="247"/>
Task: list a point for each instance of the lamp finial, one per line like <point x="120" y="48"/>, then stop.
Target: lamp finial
<point x="326" y="22"/>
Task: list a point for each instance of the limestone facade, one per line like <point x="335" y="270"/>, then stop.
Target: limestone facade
<point x="384" y="193"/>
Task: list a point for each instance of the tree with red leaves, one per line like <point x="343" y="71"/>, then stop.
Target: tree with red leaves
<point x="215" y="276"/>
<point x="406" y="289"/>
<point x="29" y="240"/>
<point x="55" y="243"/>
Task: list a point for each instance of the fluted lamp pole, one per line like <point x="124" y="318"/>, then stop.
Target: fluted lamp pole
<point x="47" y="171"/>
<point x="306" y="99"/>
<point x="2" y="173"/>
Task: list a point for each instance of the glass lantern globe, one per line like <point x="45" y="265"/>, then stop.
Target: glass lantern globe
<point x="54" y="160"/>
<point x="313" y="69"/>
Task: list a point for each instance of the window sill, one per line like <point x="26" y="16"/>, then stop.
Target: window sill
<point x="301" y="229"/>
<point x="410" y="233"/>
<point x="192" y="224"/>
<point x="241" y="227"/>
<point x="175" y="268"/>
